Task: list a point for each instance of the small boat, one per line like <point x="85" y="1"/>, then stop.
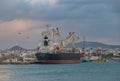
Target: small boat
<point x="116" y="58"/>
<point x="97" y="59"/>
<point x="101" y="60"/>
<point x="85" y="59"/>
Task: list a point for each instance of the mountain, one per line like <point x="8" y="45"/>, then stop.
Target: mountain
<point x="94" y="45"/>
<point x="79" y="45"/>
<point x="17" y="48"/>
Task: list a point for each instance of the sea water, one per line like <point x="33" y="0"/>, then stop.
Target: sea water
<point x="89" y="71"/>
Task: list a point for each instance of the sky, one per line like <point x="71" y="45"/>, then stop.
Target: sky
<point x="22" y="21"/>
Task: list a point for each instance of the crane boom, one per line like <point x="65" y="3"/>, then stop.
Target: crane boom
<point x="69" y="38"/>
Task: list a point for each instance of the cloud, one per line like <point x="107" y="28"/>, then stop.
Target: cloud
<point x="97" y="19"/>
<point x="42" y="2"/>
<point x="64" y="9"/>
<point x="115" y="6"/>
<point x="21" y="31"/>
<point x="21" y="25"/>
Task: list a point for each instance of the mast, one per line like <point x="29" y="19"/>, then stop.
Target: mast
<point x="73" y="44"/>
<point x="84" y="41"/>
<point x="55" y="34"/>
<point x="53" y="30"/>
<point x="83" y="49"/>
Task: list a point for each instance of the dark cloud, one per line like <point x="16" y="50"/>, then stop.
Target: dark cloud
<point x="65" y="9"/>
<point x="115" y="7"/>
<point x="97" y="19"/>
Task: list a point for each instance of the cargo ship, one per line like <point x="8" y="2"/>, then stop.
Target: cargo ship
<point x="53" y="50"/>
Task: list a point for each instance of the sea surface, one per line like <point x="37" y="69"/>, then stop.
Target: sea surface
<point x="89" y="71"/>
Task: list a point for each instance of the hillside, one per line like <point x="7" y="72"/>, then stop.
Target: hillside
<point x="95" y="45"/>
<point x="79" y="45"/>
<point x="17" y="48"/>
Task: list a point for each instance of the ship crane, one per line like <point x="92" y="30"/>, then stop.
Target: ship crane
<point x="62" y="44"/>
<point x="70" y="37"/>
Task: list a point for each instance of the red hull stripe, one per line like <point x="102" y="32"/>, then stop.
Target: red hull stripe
<point x="59" y="61"/>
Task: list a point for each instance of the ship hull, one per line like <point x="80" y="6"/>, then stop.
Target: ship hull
<point x="66" y="58"/>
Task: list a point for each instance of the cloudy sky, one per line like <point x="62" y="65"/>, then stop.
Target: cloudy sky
<point x="21" y="21"/>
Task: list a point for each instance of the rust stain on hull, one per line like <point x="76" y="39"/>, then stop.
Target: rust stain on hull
<point x="59" y="61"/>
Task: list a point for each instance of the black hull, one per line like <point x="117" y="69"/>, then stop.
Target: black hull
<point x="45" y="58"/>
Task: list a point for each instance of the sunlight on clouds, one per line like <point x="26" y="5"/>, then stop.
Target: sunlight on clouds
<point x="13" y="25"/>
<point x="21" y="31"/>
<point x="42" y="2"/>
<point x="53" y="2"/>
<point x="10" y="27"/>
